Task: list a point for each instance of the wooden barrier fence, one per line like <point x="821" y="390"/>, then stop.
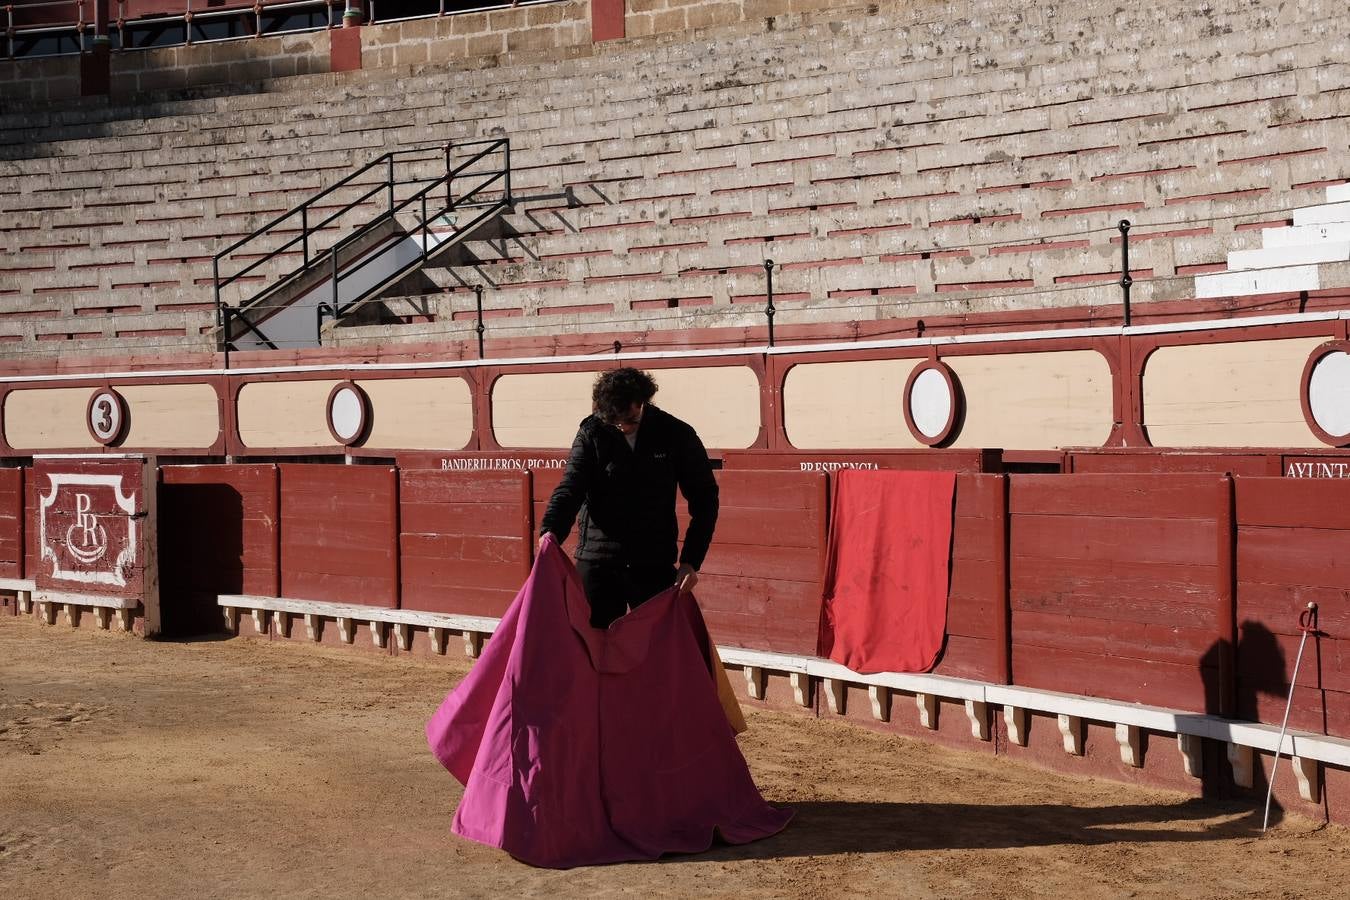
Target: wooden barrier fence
<point x="1177" y="590"/>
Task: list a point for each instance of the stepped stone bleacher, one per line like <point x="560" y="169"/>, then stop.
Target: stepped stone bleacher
<point x="896" y="162"/>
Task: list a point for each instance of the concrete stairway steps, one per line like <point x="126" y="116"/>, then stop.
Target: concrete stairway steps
<point x="1292" y="259"/>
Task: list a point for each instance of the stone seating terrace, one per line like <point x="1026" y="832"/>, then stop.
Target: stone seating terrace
<point x="925" y="161"/>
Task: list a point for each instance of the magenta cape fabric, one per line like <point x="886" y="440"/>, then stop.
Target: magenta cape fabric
<point x="578" y="746"/>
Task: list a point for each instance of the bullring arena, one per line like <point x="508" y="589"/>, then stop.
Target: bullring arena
<point x="300" y="305"/>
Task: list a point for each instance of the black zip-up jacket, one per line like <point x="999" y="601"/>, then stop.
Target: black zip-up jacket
<point x="626" y="496"/>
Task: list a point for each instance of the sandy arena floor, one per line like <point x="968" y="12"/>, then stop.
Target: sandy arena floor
<point x="247" y="769"/>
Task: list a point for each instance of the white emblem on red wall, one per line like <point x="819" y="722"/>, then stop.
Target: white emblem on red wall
<point x="87" y="529"/>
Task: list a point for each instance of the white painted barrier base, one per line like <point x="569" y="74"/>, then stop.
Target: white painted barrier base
<point x="1130" y="720"/>
<point x="104" y="609"/>
<point x="315" y="614"/>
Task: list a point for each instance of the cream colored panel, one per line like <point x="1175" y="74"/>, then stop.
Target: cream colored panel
<point x="848" y="404"/>
<point x="419" y="413"/>
<point x="1228" y="395"/>
<point x="1035" y="401"/>
<point x="285" y="414"/>
<point x="48" y="418"/>
<point x="175" y="416"/>
<point x="540" y="410"/>
<point x="543" y="410"/>
<point x="721" y="402"/>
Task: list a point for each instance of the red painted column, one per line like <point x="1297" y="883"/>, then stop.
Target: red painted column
<point x="344" y="48"/>
<point x="1002" y="607"/>
<point x="1225" y="596"/>
<point x="607" y="20"/>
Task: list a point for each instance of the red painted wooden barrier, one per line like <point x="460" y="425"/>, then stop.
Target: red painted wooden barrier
<point x="339" y="534"/>
<point x="88" y="541"/>
<point x="465" y="539"/>
<point x="1324" y="463"/>
<point x="977" y="601"/>
<point x="918" y="460"/>
<point x="30" y="552"/>
<point x="218" y="534"/>
<point x="12" y="524"/>
<point x="760" y="585"/>
<point x="1293" y="547"/>
<point x="1149" y="460"/>
<point x="1115" y="586"/>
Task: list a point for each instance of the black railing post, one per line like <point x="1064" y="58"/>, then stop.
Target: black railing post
<point x="1125" y="279"/>
<point x="323" y="309"/>
<point x="225" y="312"/>
<point x="391" y="184"/>
<point x="304" y="232"/>
<point x="478" y="303"/>
<point x="215" y="280"/>
<point x="335" y="282"/>
<point x="769" y="311"/>
<point x="426" y="229"/>
<point x="507" y="142"/>
<point x="449" y="175"/>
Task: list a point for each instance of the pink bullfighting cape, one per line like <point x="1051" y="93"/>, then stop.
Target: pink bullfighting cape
<point x="578" y="746"/>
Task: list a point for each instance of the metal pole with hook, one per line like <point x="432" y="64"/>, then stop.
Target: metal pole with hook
<point x="449" y="177"/>
<point x="323" y="309"/>
<point x="1307" y="623"/>
<point x="1125" y="279"/>
<point x="769" y="311"/>
<point x="478" y="301"/>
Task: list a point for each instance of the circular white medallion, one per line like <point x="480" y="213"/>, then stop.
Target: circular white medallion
<point x="107" y="413"/>
<point x="1329" y="393"/>
<point x="347" y="413"/>
<point x="930" y="403"/>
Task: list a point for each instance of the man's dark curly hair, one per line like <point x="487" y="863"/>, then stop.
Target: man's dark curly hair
<point x="617" y="390"/>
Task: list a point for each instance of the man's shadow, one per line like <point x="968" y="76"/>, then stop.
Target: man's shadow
<point x="822" y="828"/>
<point x="1257" y="666"/>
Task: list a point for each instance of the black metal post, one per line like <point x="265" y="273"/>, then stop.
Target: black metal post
<point x="478" y="300"/>
<point x="449" y="176"/>
<point x="426" y="229"/>
<point x="335" y="282"/>
<point x="304" y="231"/>
<point x="509" y="200"/>
<point x="769" y="311"/>
<point x="323" y="309"/>
<point x="225" y="312"/>
<point x="1125" y="279"/>
<point x="391" y="185"/>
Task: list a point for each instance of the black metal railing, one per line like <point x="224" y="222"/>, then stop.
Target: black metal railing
<point x="481" y="195"/>
<point x="476" y="176"/>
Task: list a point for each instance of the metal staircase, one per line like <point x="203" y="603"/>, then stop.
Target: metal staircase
<point x="355" y="240"/>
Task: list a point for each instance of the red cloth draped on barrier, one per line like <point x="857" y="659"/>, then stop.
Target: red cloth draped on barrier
<point x="579" y="746"/>
<point x="887" y="570"/>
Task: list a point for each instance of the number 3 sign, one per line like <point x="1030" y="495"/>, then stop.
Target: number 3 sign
<point x="107" y="416"/>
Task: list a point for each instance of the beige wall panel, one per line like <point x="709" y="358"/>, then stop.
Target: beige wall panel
<point x="285" y="414"/>
<point x="181" y="416"/>
<point x="722" y="403"/>
<point x="1035" y="401"/>
<point x="540" y="410"/>
<point x="1228" y="395"/>
<point x="837" y="405"/>
<point x="48" y="418"/>
<point x="419" y="413"/>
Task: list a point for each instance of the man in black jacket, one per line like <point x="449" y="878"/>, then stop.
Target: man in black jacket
<point x="626" y="462"/>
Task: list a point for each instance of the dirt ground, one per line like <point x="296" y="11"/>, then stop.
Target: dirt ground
<point x="241" y="768"/>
